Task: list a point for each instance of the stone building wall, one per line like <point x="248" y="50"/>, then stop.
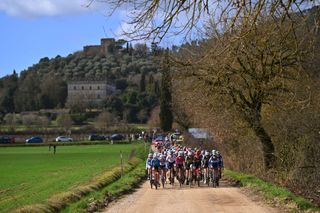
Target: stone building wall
<point x="106" y="45"/>
<point x="93" y="92"/>
<point x="92" y="50"/>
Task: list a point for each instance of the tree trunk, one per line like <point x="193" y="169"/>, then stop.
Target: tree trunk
<point x="267" y="145"/>
<point x="254" y="118"/>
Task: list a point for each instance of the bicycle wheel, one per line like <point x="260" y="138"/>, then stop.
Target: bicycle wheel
<point x="212" y="178"/>
<point x="172" y="178"/>
<point x="162" y="180"/>
<point x="151" y="180"/>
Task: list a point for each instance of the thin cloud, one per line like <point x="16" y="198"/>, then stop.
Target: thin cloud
<point x="39" y="8"/>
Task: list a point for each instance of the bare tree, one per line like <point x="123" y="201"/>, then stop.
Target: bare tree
<point x="34" y="120"/>
<point x="247" y="68"/>
<point x="64" y="120"/>
<point x="252" y="52"/>
<point x="12" y="119"/>
<point x="155" y="19"/>
<point x="154" y="119"/>
<point x="105" y="121"/>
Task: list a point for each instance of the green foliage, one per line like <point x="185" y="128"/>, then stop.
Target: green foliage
<point x="44" y="85"/>
<point x="114" y="104"/>
<point x="78" y="118"/>
<point x="166" y="117"/>
<point x="143" y="82"/>
<point x="8" y="86"/>
<point x="121" y="84"/>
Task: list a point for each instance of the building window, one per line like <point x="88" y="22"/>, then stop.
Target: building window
<point x="98" y="87"/>
<point x="74" y="87"/>
<point x="98" y="96"/>
<point x="90" y="87"/>
<point x="82" y="87"/>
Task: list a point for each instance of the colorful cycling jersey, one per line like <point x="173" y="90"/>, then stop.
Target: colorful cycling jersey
<point x="197" y="161"/>
<point x="180" y="160"/>
<point x="148" y="163"/>
<point x="205" y="161"/>
<point x="189" y="160"/>
<point x="171" y="158"/>
<point x="214" y="162"/>
<point x="162" y="162"/>
<point x="155" y="162"/>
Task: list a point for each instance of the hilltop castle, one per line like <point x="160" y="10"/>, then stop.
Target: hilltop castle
<point x="106" y="47"/>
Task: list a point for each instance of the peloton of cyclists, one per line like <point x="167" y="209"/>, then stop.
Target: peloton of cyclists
<point x="172" y="162"/>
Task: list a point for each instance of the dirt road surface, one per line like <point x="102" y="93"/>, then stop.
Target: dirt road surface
<point x="188" y="200"/>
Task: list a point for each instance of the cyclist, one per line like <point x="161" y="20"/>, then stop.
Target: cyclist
<point x="189" y="161"/>
<point x="205" y="164"/>
<point x="148" y="164"/>
<point x="171" y="159"/>
<point x="221" y="166"/>
<point x="162" y="164"/>
<point x="197" y="160"/>
<point x="180" y="164"/>
<point x="155" y="164"/>
<point x="213" y="165"/>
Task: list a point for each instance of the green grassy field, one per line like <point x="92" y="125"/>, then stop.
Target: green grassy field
<point x="31" y="175"/>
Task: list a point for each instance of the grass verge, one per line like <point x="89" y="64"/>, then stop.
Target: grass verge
<point x="276" y="194"/>
<point x="59" y="201"/>
<point x="97" y="200"/>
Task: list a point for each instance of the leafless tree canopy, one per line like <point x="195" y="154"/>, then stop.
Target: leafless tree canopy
<point x="155" y="19"/>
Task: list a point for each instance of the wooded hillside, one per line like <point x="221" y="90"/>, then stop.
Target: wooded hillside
<point x="134" y="72"/>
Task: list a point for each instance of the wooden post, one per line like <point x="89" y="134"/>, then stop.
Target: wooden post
<point x="121" y="163"/>
<point x="145" y="147"/>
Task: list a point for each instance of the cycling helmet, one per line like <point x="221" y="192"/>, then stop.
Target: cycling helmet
<point x="217" y="153"/>
<point x="155" y="155"/>
<point x="213" y="152"/>
<point x="161" y="156"/>
<point x="150" y="155"/>
<point x="206" y="153"/>
<point x="190" y="153"/>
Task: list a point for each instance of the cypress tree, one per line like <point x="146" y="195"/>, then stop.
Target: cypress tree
<point x="166" y="117"/>
<point x="143" y="82"/>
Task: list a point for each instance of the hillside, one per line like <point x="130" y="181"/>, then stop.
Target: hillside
<point x="132" y="70"/>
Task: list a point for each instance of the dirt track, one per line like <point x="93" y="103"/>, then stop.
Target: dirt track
<point x="195" y="199"/>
